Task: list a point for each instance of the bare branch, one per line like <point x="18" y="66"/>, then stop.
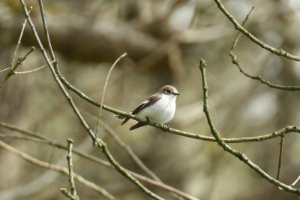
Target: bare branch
<point x="33" y="70"/>
<point x="14" y="67"/>
<point x="104" y="90"/>
<point x="235" y="61"/>
<point x="168" y="129"/>
<point x="259" y="78"/>
<point x="229" y="149"/>
<point x="129" y="151"/>
<point x="279" y="52"/>
<point x="70" y="170"/>
<point x="3" y="70"/>
<point x="56" y="168"/>
<point x="280" y="157"/>
<point x="68" y="194"/>
<point x="19" y="41"/>
<point x="35" y="137"/>
<point x="296" y="181"/>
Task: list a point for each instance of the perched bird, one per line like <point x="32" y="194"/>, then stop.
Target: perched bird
<point x="159" y="107"/>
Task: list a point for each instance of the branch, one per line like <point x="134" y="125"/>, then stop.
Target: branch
<point x="296" y="181"/>
<point x="14" y="67"/>
<point x="70" y="170"/>
<point x="32" y="70"/>
<point x="258" y="78"/>
<point x="104" y="90"/>
<point x="168" y="129"/>
<point x="56" y="168"/>
<point x="68" y="194"/>
<point x="279" y="52"/>
<point x="132" y="155"/>
<point x="229" y="149"/>
<point x="19" y="42"/>
<point x="280" y="157"/>
<point x="35" y="137"/>
<point x="129" y="151"/>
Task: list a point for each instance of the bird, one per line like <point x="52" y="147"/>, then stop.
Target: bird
<point x="159" y="107"/>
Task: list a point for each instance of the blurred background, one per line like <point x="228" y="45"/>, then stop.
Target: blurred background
<point x="164" y="41"/>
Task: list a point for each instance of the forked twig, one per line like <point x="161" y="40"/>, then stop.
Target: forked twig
<point x="14" y="67"/>
<point x="258" y="78"/>
<point x="228" y="148"/>
<point x="279" y="52"/>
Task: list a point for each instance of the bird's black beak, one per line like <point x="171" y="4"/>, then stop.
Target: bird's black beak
<point x="175" y="93"/>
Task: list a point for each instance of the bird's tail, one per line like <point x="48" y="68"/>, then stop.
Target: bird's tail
<point x="139" y="124"/>
<point x="122" y="117"/>
<point x="125" y="120"/>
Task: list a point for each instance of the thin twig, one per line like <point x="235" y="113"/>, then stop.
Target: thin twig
<point x="235" y="61"/>
<point x="68" y="194"/>
<point x="131" y="154"/>
<point x="259" y="78"/>
<point x="296" y="181"/>
<point x="56" y="168"/>
<point x="104" y="91"/>
<point x="27" y="71"/>
<point x="14" y="67"/>
<point x="21" y="137"/>
<point x="33" y="70"/>
<point x="280" y="157"/>
<point x="3" y="70"/>
<point x="129" y="151"/>
<point x="279" y="52"/>
<point x="19" y="41"/>
<point x="70" y="170"/>
<point x="229" y="149"/>
<point x="123" y="171"/>
<point x="20" y="60"/>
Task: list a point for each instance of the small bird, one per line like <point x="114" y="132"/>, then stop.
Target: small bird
<point x="159" y="107"/>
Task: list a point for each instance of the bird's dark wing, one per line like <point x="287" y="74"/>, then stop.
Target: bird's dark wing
<point x="148" y="102"/>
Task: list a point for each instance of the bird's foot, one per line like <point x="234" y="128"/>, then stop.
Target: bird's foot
<point x="147" y="120"/>
<point x="165" y="127"/>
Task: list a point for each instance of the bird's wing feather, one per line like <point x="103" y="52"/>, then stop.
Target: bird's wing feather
<point x="148" y="102"/>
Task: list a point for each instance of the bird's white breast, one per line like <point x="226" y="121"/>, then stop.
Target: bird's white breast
<point x="161" y="111"/>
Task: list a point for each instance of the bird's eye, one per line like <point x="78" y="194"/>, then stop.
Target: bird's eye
<point x="167" y="91"/>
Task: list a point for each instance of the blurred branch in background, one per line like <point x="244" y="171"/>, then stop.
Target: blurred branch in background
<point x="55" y="168"/>
<point x="36" y="137"/>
